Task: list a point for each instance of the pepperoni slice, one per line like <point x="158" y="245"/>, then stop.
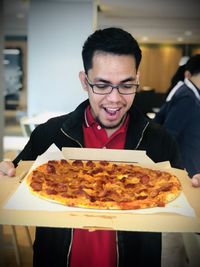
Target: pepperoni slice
<point x="90" y="163"/>
<point x="104" y="163"/>
<point x="144" y="179"/>
<point x="154" y="193"/>
<point x="36" y="186"/>
<point x="51" y="169"/>
<point x="38" y="179"/>
<point x="51" y="191"/>
<point x="62" y="188"/>
<point x="97" y="170"/>
<point x="166" y="187"/>
<point x="64" y="162"/>
<point x="77" y="163"/>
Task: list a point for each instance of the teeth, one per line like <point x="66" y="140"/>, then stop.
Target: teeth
<point x="112" y="109"/>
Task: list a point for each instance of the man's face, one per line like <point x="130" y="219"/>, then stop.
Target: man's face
<point x="110" y="110"/>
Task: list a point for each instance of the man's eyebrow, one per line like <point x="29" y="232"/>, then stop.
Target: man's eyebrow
<point x="130" y="79"/>
<point x="103" y="80"/>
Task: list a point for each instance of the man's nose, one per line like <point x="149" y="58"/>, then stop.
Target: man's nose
<point x="114" y="94"/>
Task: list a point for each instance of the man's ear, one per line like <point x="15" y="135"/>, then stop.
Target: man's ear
<point x="83" y="80"/>
<point x="138" y="76"/>
<point x="187" y="74"/>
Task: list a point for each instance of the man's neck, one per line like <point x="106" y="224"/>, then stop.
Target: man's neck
<point x="111" y="131"/>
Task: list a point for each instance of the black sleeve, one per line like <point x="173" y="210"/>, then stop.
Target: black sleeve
<point x="39" y="142"/>
<point x="161" y="146"/>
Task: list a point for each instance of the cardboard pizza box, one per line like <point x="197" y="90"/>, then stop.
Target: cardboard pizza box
<point x="19" y="207"/>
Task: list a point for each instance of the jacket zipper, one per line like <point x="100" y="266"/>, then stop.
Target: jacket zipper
<point x="70" y="247"/>
<point x="76" y="141"/>
<point x="117" y="249"/>
<point x="140" y="140"/>
<point x="71" y="240"/>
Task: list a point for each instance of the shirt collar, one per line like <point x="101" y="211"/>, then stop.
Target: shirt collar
<point x="89" y="119"/>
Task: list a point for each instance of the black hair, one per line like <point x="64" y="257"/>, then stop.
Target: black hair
<point x="110" y="40"/>
<point x="193" y="64"/>
<point x="178" y="76"/>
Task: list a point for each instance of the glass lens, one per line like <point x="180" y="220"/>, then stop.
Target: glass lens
<point x="127" y="88"/>
<point x="102" y="88"/>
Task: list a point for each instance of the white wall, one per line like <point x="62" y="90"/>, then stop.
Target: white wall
<point x="56" y="33"/>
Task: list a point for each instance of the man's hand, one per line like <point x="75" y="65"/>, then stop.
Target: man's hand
<point x="7" y="168"/>
<point x="196" y="180"/>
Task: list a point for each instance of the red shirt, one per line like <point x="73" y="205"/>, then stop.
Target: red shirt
<point x="97" y="248"/>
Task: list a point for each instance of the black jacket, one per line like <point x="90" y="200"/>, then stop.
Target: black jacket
<point x="52" y="245"/>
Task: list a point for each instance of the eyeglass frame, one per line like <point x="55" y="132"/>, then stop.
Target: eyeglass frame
<point x="112" y="87"/>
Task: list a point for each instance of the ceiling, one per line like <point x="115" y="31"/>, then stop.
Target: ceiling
<point x="149" y="21"/>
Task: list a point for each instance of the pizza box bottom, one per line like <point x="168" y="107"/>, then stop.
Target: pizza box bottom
<point x="92" y="219"/>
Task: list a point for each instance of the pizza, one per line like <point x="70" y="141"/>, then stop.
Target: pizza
<point x="103" y="184"/>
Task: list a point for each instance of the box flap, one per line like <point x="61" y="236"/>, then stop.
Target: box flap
<point x="134" y="156"/>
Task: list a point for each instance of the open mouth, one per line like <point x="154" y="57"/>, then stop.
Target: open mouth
<point x="112" y="111"/>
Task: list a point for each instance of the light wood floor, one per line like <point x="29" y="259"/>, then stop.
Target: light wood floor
<point x="25" y="250"/>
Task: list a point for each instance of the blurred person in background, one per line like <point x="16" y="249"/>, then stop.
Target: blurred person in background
<point x="180" y="115"/>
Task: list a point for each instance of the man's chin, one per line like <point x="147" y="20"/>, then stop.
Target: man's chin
<point x="112" y="125"/>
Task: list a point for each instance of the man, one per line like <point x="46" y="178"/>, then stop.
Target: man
<point x="181" y="116"/>
<point x="108" y="119"/>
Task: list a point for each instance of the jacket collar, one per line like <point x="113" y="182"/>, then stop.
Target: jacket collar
<point x="138" y="123"/>
<point x="192" y="87"/>
<point x="73" y="125"/>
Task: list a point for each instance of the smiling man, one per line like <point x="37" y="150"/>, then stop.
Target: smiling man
<point x="111" y="91"/>
<point x="107" y="119"/>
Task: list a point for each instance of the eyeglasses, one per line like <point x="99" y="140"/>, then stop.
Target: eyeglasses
<point x="106" y="88"/>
